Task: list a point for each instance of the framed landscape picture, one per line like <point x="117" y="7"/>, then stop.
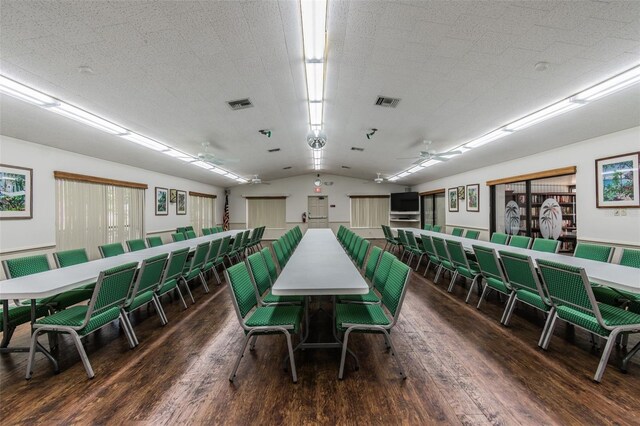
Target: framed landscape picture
<point x="453" y="199"/>
<point x="473" y="198"/>
<point x="618" y="181"/>
<point x="162" y="201"/>
<point x="16" y="192"/>
<point x="181" y="202"/>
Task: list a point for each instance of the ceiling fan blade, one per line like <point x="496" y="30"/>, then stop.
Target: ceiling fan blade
<point x="419" y="161"/>
<point x="456" y="152"/>
<point x="407" y="158"/>
<point x="440" y="158"/>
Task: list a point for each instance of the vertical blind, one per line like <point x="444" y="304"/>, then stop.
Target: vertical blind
<point x="369" y="212"/>
<point x="269" y="212"/>
<point x="92" y="214"/>
<point x="203" y="212"/>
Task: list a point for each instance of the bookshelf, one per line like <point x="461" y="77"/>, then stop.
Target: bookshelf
<point x="404" y="219"/>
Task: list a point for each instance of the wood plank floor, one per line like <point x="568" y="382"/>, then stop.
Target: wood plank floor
<point x="463" y="367"/>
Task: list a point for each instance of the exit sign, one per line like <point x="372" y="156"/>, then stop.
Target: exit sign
<point x="317" y="190"/>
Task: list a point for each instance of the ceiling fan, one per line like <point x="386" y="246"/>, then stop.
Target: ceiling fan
<point x="378" y="179"/>
<point x="211" y="158"/>
<point x="430" y="154"/>
<point x="255" y="180"/>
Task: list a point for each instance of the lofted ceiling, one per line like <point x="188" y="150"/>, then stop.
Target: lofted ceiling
<point x="461" y="68"/>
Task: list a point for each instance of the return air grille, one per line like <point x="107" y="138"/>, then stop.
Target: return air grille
<point x="240" y="104"/>
<point x="384" y="101"/>
<point x="355" y="148"/>
<point x="273" y="150"/>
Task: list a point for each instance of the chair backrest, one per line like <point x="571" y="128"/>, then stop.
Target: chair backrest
<point x="347" y="238"/>
<point x="242" y="291"/>
<point x="286" y="248"/>
<point x="112" y="288"/>
<point x="259" y="272"/>
<point x="245" y="238"/>
<point x="340" y="232"/>
<point x="372" y="262"/>
<point x="545" y="245"/>
<point x="488" y="263"/>
<point x="520" y="241"/>
<point x="427" y="227"/>
<point x="441" y="249"/>
<point x="630" y="257"/>
<point x="224" y="247"/>
<point x="149" y="276"/>
<point x="206" y="231"/>
<point x="271" y="265"/>
<point x="175" y="265"/>
<point x="237" y="240"/>
<point x="499" y="238"/>
<point x="181" y="230"/>
<point x="521" y="273"/>
<point x="472" y="234"/>
<point x="355" y="241"/>
<point x="427" y="245"/>
<point x="178" y="236"/>
<point x="292" y="239"/>
<point x="282" y="259"/>
<point x="437" y="228"/>
<point x="190" y="234"/>
<point x="568" y="285"/>
<point x="188" y="228"/>
<point x="22" y="266"/>
<point x="154" y="241"/>
<point x="70" y="257"/>
<point x="110" y="250"/>
<point x="382" y="271"/>
<point x="214" y="250"/>
<point x="362" y="253"/>
<point x="457" y="254"/>
<point x="395" y="288"/>
<point x="385" y="231"/>
<point x="402" y="236"/>
<point x="199" y="256"/>
<point x="411" y="240"/>
<point x="135" y="245"/>
<point x="594" y="252"/>
<point x="457" y="232"/>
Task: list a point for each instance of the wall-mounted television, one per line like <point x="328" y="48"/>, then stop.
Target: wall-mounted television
<point x="405" y="202"/>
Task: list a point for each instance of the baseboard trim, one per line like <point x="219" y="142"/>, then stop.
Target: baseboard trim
<point x="28" y="248"/>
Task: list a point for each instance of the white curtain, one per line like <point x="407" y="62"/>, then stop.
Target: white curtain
<point x="203" y="212"/>
<point x="269" y="212"/>
<point x="92" y="214"/>
<point x="369" y="212"/>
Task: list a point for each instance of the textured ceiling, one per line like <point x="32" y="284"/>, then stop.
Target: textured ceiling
<point x="165" y="69"/>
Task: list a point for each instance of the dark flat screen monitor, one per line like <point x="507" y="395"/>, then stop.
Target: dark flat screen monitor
<point x="405" y="202"/>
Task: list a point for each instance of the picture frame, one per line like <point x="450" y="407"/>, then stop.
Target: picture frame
<point x="473" y="197"/>
<point x="181" y="202"/>
<point x="172" y="195"/>
<point x="16" y="192"/>
<point x="618" y="181"/>
<point x="162" y="201"/>
<point x="461" y="193"/>
<point x="453" y="199"/>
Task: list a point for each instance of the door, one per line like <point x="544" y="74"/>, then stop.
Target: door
<point x="318" y="212"/>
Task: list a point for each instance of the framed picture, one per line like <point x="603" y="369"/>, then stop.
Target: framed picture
<point x="473" y="198"/>
<point x="618" y="181"/>
<point x="172" y="196"/>
<point x="181" y="202"/>
<point x="16" y="192"/>
<point x="162" y="201"/>
<point x="453" y="199"/>
<point x="461" y="193"/>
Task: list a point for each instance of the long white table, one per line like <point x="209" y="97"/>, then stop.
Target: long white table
<point x="609" y="274"/>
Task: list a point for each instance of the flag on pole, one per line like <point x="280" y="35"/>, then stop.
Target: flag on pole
<point x="225" y="217"/>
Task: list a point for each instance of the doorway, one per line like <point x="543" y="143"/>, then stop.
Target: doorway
<point x="318" y="211"/>
<point x="434" y="209"/>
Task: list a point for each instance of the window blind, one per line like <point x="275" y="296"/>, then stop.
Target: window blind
<point x="369" y="212"/>
<point x="203" y="212"/>
<point x="268" y="211"/>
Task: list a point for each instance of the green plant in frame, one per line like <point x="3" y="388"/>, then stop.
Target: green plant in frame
<point x="617" y="181"/>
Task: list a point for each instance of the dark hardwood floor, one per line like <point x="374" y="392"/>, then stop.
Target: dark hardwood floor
<point x="463" y="367"/>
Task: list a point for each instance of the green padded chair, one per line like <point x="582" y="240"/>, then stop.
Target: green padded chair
<point x="110" y="250"/>
<point x="427" y="227"/>
<point x="377" y="282"/>
<point x="493" y="276"/>
<point x="190" y="234"/>
<point x="360" y="318"/>
<point x="404" y="243"/>
<point x="594" y="252"/>
<point x="262" y="283"/>
<point x="499" y="238"/>
<point x="135" y="245"/>
<point x="353" y="247"/>
<point x="210" y="262"/>
<point x="277" y="248"/>
<point x="206" y="231"/>
<point x="347" y="238"/>
<point x="520" y="241"/>
<point x="193" y="269"/>
<point x="372" y="263"/>
<point x="142" y="292"/>
<point x="74" y="257"/>
<point x="235" y="249"/>
<point x="271" y="265"/>
<point x="427" y="246"/>
<point x="414" y="249"/>
<point x="444" y="259"/>
<point x="390" y="240"/>
<point x="545" y="245"/>
<point x="223" y="253"/>
<point x="630" y="257"/>
<point x="570" y="290"/>
<point x="246" y="235"/>
<point x="362" y="253"/>
<point x="437" y="228"/>
<point x="154" y="241"/>
<point x="109" y="296"/>
<point x="172" y="273"/>
<point x="188" y="228"/>
<point x="260" y="320"/>
<point x="474" y="235"/>
<point x="178" y="236"/>
<point x="181" y="230"/>
<point x="457" y="232"/>
<point x="522" y="276"/>
<point x="463" y="267"/>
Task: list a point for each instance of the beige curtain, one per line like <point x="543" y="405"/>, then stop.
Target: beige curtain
<point x="369" y="212"/>
<point x="203" y="212"/>
<point x="269" y="212"/>
<point x="91" y="214"/>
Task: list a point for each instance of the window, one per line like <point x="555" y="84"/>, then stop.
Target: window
<point x="203" y="211"/>
<point x="89" y="213"/>
<point x="266" y="211"/>
<point x="369" y="211"/>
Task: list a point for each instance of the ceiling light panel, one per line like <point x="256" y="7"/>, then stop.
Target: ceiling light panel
<point x="145" y="141"/>
<point x="314" y="21"/>
<point x="22" y="92"/>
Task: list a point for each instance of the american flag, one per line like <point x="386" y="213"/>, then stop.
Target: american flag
<point x="225" y="217"/>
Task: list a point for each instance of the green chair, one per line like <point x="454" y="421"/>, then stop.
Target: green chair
<point x="444" y="259"/>
<point x="493" y="276"/>
<point x="190" y="234"/>
<point x="262" y="283"/>
<point x="427" y="246"/>
<point x="463" y="267"/>
<point x="522" y="276"/>
<point x="594" y="252"/>
<point x="178" y="236"/>
<point x="271" y="265"/>
<point x="457" y="232"/>
<point x="427" y="227"/>
<point x="361" y="318"/>
<point x="390" y="240"/>
<point x="154" y="241"/>
<point x="630" y="257"/>
<point x="172" y="273"/>
<point x="474" y="235"/>
<point x="244" y="242"/>
<point x="520" y="241"/>
<point x="355" y="242"/>
<point x="570" y="290"/>
<point x="210" y="262"/>
<point x="545" y="245"/>
<point x="258" y="320"/>
<point x="223" y="253"/>
<point x="135" y="245"/>
<point x="437" y="228"/>
<point x="188" y="228"/>
<point x="378" y="280"/>
<point x="110" y="250"/>
<point x="234" y="252"/>
<point x="404" y="243"/>
<point x="147" y="281"/>
<point x="206" y="231"/>
<point x="372" y="262"/>
<point x="110" y="293"/>
<point x="193" y="269"/>
<point x="499" y="238"/>
<point x="74" y="257"/>
<point x="414" y="248"/>
<point x="277" y="248"/>
<point x="181" y="230"/>
<point x="362" y="253"/>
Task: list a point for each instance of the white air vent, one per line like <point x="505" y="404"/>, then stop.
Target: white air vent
<point x="355" y="148"/>
<point x="240" y="104"/>
<point x="387" y="102"/>
<point x="286" y="168"/>
<point x="346" y="167"/>
<point x="273" y="150"/>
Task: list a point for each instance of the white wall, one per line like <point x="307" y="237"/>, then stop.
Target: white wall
<point x="594" y="224"/>
<point x="39" y="232"/>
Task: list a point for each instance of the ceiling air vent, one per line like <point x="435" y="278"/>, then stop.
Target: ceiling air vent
<point x="355" y="148"/>
<point x="286" y="168"/>
<point x="346" y="167"/>
<point x="240" y="104"/>
<point x="273" y="150"/>
<point x="387" y="102"/>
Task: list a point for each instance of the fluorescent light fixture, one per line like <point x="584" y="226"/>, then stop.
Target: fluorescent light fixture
<point x="315" y="112"/>
<point x="607" y="87"/>
<point x="232" y="176"/>
<point x="84" y="117"/>
<point x="314" y="18"/>
<point x="430" y="163"/>
<point x="544" y="114"/>
<point x="415" y="169"/>
<point x="489" y="137"/>
<point x="219" y="171"/>
<point x="145" y="141"/>
<point x="317" y="154"/>
<point x="315" y="81"/>
<point x="403" y="174"/>
<point x="179" y="155"/>
<point x="241" y="180"/>
<point x="202" y="164"/>
<point x="393" y="178"/>
<point x="22" y="92"/>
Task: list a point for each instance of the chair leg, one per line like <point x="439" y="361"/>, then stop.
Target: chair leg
<point x="395" y="354"/>
<point x="83" y="355"/>
<point x="161" y="313"/>
<point x="344" y="354"/>
<point x="292" y="362"/>
<point x="186" y="284"/>
<point x="215" y="273"/>
<point x="240" y="355"/>
<point x="476" y="282"/>
<point x="181" y="297"/>
<point x="482" y="296"/>
<point x="511" y="303"/>
<point x="452" y="281"/>
<point x="427" y="268"/>
<point x="252" y="346"/>
<point x="32" y="353"/>
<point x="437" y="277"/>
<point x="128" y="330"/>
<point x="630" y="354"/>
<point x="552" y="325"/>
<point x="545" y="329"/>
<point x="611" y="341"/>
<point x="204" y="282"/>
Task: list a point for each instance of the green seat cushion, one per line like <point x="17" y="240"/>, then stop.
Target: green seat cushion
<point x="74" y="316"/>
<point x="271" y="298"/>
<point x="269" y="316"/>
<point x="611" y="315"/>
<point x="448" y="265"/>
<point x="611" y="296"/>
<point x="466" y="272"/>
<point x="208" y="266"/>
<point x="532" y="298"/>
<point x="350" y="313"/>
<point x="370" y="297"/>
<point x="21" y="314"/>
<point x="140" y="300"/>
<point x="167" y="286"/>
<point x="497" y="284"/>
<point x="434" y="259"/>
<point x="72" y="297"/>
<point x="188" y="276"/>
